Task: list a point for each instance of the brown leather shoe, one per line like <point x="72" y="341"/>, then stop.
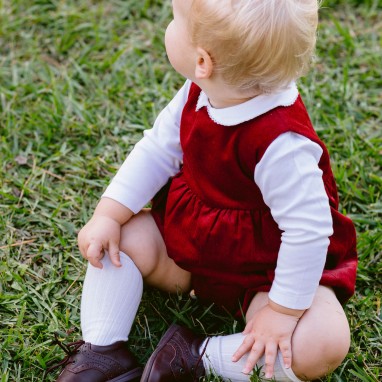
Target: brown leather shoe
<point x="90" y="363"/>
<point x="176" y="358"/>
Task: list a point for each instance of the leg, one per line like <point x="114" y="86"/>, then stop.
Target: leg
<point x="143" y="243"/>
<point x="111" y="295"/>
<point x="109" y="303"/>
<point x="319" y="344"/>
<point x="110" y="300"/>
<point x="322" y="336"/>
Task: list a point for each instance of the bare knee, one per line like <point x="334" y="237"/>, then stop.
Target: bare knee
<point x="143" y="243"/>
<point x="314" y="361"/>
<point x="321" y="340"/>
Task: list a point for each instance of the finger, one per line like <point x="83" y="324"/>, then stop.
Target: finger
<point x="254" y="355"/>
<point x="270" y="358"/>
<point x="82" y="248"/>
<point x="81" y="244"/>
<point x="286" y="352"/>
<point x="248" y="327"/>
<point x="94" y="254"/>
<point x="246" y="345"/>
<point x="114" y="254"/>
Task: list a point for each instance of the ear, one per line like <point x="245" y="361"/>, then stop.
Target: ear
<point x="204" y="65"/>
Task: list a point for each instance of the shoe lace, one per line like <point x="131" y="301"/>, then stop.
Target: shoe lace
<point x="69" y="349"/>
<point x="194" y="369"/>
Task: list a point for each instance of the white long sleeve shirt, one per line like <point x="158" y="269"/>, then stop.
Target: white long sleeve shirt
<point x="287" y="175"/>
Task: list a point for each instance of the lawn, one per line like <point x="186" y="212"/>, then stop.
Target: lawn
<point x="79" y="82"/>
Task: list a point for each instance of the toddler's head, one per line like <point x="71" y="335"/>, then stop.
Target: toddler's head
<point x="256" y="45"/>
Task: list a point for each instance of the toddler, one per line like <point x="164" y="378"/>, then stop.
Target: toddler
<point x="244" y="211"/>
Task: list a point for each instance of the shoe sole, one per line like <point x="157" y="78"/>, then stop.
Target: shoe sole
<point x="170" y="332"/>
<point x="132" y="376"/>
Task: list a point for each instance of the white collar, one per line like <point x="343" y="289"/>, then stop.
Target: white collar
<point x="248" y="110"/>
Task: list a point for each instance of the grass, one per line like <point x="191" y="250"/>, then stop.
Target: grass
<point x="79" y="82"/>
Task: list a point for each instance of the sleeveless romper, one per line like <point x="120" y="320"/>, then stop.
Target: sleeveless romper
<point x="213" y="218"/>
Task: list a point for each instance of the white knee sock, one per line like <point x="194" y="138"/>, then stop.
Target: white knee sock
<point x="110" y="301"/>
<point x="217" y="360"/>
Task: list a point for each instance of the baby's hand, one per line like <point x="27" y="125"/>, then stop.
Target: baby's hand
<point x="267" y="332"/>
<point x="100" y="234"/>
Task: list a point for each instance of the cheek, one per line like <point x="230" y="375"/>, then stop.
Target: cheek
<point x="176" y="50"/>
<point x="169" y="40"/>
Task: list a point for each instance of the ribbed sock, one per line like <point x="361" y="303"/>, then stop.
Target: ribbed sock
<point x="218" y="355"/>
<point x="110" y="301"/>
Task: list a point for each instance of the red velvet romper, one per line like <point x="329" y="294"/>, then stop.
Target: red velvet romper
<point x="212" y="216"/>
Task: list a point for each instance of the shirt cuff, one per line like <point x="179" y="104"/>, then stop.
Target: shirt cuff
<point x="291" y="301"/>
<point x="119" y="193"/>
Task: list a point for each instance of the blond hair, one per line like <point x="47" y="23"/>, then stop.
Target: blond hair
<point x="256" y="45"/>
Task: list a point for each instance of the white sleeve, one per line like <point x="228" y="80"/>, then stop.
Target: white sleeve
<point x="154" y="159"/>
<point x="292" y="187"/>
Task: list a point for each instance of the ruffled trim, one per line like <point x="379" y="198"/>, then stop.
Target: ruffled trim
<point x="246" y="111"/>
